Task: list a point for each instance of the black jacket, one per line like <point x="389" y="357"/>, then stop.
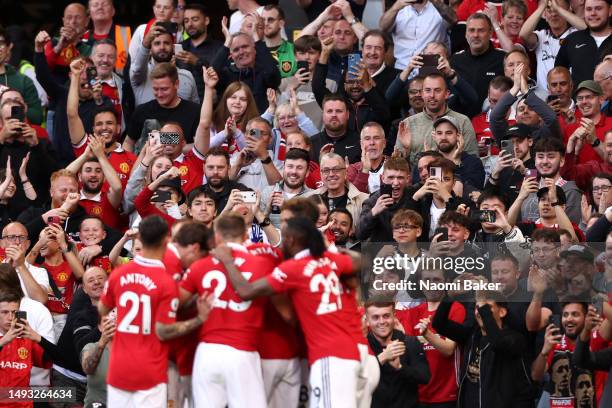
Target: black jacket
<point x="479" y="70"/>
<point x="399" y="388"/>
<point x="222" y="196"/>
<point x="504" y="379"/>
<point x="265" y="74"/>
<point x="346" y="146"/>
<point x="378" y="229"/>
<point x="509" y="183"/>
<point x="580" y="53"/>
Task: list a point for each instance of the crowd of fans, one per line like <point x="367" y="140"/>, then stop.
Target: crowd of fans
<point x="182" y="217"/>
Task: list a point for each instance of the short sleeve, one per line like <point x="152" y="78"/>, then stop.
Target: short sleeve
<point x="457" y="313"/>
<point x="108" y="297"/>
<point x="344" y="263"/>
<point x="168" y="304"/>
<point x="278" y="280"/>
<point x="189" y="281"/>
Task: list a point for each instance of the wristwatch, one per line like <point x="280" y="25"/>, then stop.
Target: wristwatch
<point x="596" y="143"/>
<point x="266" y="221"/>
<point x="267" y="160"/>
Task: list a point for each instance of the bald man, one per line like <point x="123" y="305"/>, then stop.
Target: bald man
<point x="603" y="76"/>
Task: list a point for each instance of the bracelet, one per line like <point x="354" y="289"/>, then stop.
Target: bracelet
<point x="144" y="165"/>
<point x="25" y="181"/>
<point x="267" y="160"/>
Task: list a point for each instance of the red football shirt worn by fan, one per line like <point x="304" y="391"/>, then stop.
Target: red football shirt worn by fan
<point x="588" y="153"/>
<point x="66" y="282"/>
<point x="442" y="386"/>
<point x="315" y="290"/>
<point x="191" y="169"/>
<point x="121" y="160"/>
<point x="100" y="207"/>
<point x="101" y="261"/>
<point x="16" y="361"/>
<point x="144" y="295"/>
<point x="232" y="321"/>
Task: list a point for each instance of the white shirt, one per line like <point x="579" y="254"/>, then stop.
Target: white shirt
<point x="546" y="51"/>
<point x="40" y="275"/>
<point x="435" y="213"/>
<point x="40" y="320"/>
<point x="253" y="176"/>
<point x="374" y="179"/>
<point x="412" y="31"/>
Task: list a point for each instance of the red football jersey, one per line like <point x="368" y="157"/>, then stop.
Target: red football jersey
<point x="278" y="338"/>
<point x="121" y="160"/>
<point x="191" y="169"/>
<point x="101" y="261"/>
<point x="442" y="387"/>
<point x="100" y="207"/>
<point x="66" y="283"/>
<point x="315" y="290"/>
<point x="16" y="361"/>
<point x="144" y="295"/>
<point x="232" y="321"/>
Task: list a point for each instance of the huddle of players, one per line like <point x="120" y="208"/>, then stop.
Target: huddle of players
<point x="241" y="359"/>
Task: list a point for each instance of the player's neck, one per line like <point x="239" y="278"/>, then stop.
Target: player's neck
<point x="154" y="253"/>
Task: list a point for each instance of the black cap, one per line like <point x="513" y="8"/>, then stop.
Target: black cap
<point x="579" y="250"/>
<point x="519" y="130"/>
<point x="174" y="183"/>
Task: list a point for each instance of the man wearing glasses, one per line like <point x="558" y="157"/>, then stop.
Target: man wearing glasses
<point x="14" y="244"/>
<point x="337" y="191"/>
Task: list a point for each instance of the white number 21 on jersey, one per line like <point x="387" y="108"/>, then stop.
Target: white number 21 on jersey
<point x="126" y="325"/>
<point x="331" y="285"/>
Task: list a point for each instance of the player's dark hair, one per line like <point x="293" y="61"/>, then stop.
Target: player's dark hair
<point x="302" y="207"/>
<point x="230" y="226"/>
<point x="152" y="231"/>
<point x="306" y="234"/>
<point x="193" y="232"/>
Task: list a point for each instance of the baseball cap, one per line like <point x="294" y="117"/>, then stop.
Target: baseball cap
<point x="519" y="130"/>
<point x="174" y="183"/>
<point x="447" y="119"/>
<point x="561" y="199"/>
<point x="579" y="250"/>
<point x="591" y="86"/>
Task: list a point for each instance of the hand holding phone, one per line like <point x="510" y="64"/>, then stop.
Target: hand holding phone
<point x="443" y="231"/>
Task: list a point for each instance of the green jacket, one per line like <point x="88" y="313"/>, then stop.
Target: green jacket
<point x="25" y="86"/>
<point x="286" y="59"/>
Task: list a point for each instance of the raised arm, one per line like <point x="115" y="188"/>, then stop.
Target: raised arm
<point x="76" y="129"/>
<point x="311" y="29"/>
<point x="447" y="12"/>
<point x="571" y="18"/>
<point x="529" y="26"/>
<point x="115" y="192"/>
<point x="202" y="135"/>
<point x="529" y="186"/>
<point x="387" y="21"/>
<point x="178" y="329"/>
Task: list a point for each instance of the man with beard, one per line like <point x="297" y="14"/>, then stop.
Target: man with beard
<point x="281" y="49"/>
<point x="154" y="50"/>
<point x="94" y="169"/>
<point x="342" y="228"/>
<point x="105" y="126"/>
<point x="218" y="184"/>
<point x="588" y="133"/>
<point x="583" y="50"/>
<point x="366" y="101"/>
<point x="450" y="142"/>
<point x="556" y="355"/>
<point x="104" y="57"/>
<point x="336" y="132"/>
<point x="415" y="132"/>
<point x="200" y="48"/>
<point x="292" y="185"/>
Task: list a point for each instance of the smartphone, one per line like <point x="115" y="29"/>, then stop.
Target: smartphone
<point x="92" y="73"/>
<point x="170" y="27"/>
<point x="486" y="140"/>
<point x="430" y="60"/>
<point x="551" y="98"/>
<point x="435" y="172"/>
<point x="353" y="64"/>
<point x="486" y="216"/>
<point x="598" y="305"/>
<point x="154" y="137"/>
<point x="531" y="173"/>
<point x="302" y="65"/>
<point x="443" y="231"/>
<point x="386" y="189"/>
<point x="21" y="315"/>
<point x="248" y="197"/>
<point x="169" y="138"/>
<point x="17" y="112"/>
<point x="54" y="219"/>
<point x="556" y="320"/>
<point x="508" y="147"/>
<point x="178" y="48"/>
<point x="256" y="133"/>
<point x="161" y="196"/>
